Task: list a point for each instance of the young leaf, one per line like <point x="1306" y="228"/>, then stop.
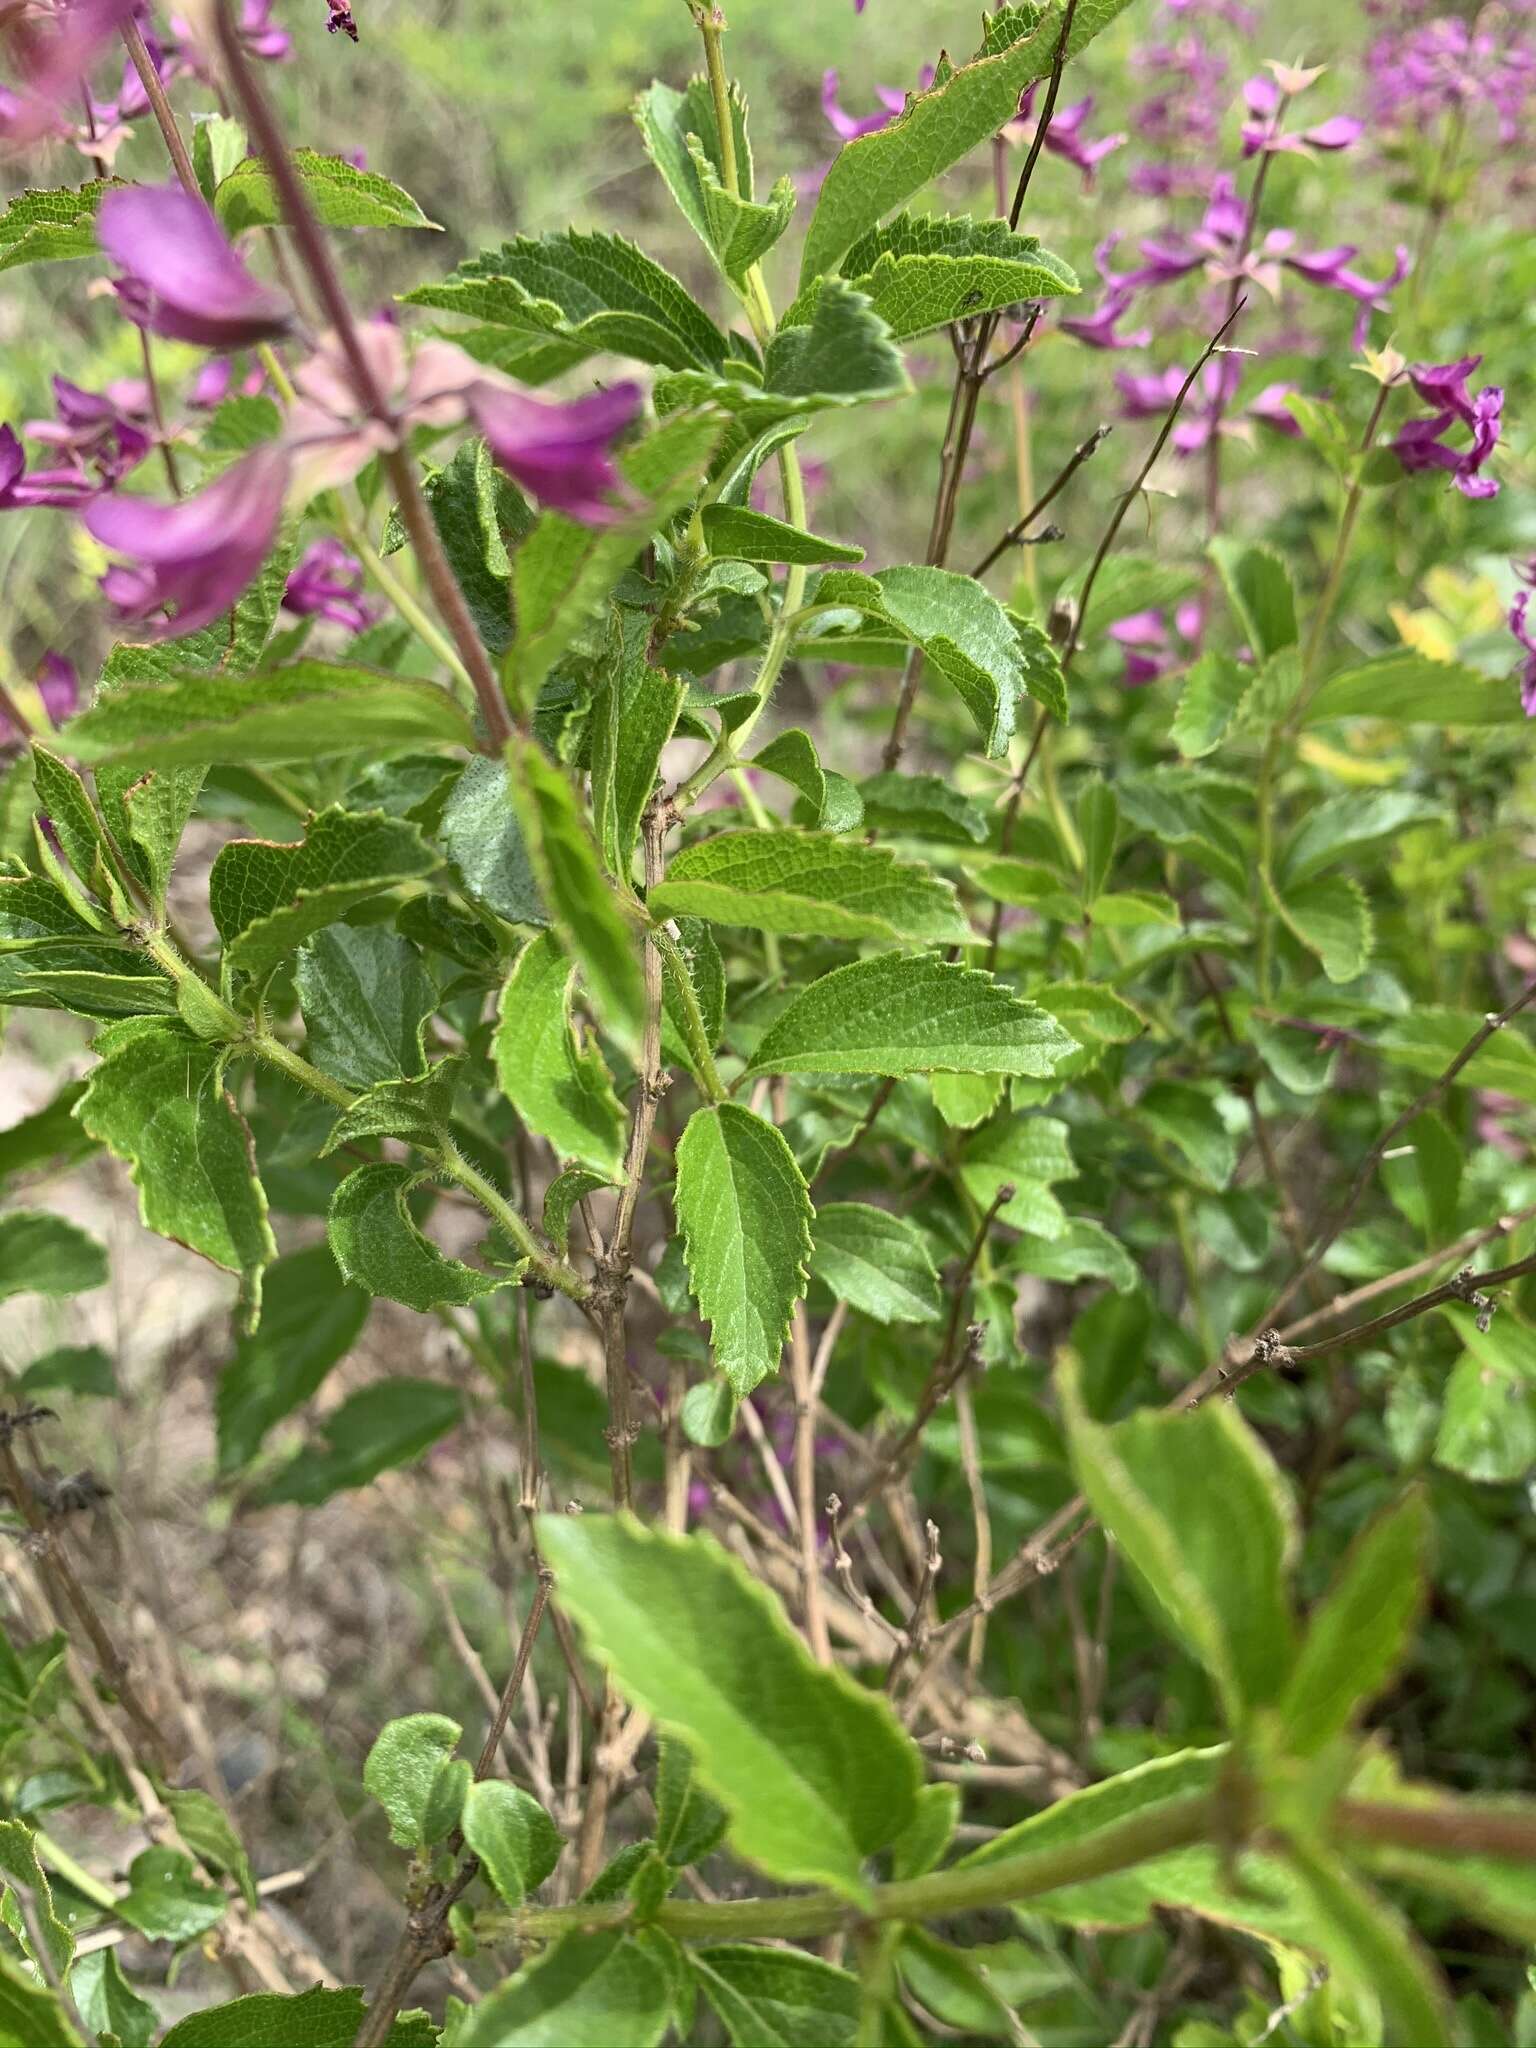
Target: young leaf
<point x="1347" y="825"/>
<point x="44" y="1254"/>
<point x="777" y="1995"/>
<point x="920" y="273"/>
<point x="384" y="1425"/>
<point x="878" y="1263"/>
<point x="560" y="1089"/>
<point x="587" y="1991"/>
<point x="809" y="885"/>
<point x="83" y="1369"/>
<point x="402" y="1768"/>
<point x="561" y="1197"/>
<point x="379" y="1248"/>
<point x="1357" y="1634"/>
<point x="1213" y="693"/>
<point x="1372" y="1947"/>
<point x="146" y="811"/>
<point x="476" y="510"/>
<point x="157" y="1100"/>
<point x="633" y="716"/>
<point x="108" y="2003"/>
<point x="906" y="1013"/>
<point x="745" y="1215"/>
<point x="921" y="1844"/>
<point x="582" y="905"/>
<point x="341" y="195"/>
<point x="291" y="714"/>
<point x="1488" y="1427"/>
<point x="517" y="1842"/>
<point x="267" y="898"/>
<point x="747" y="536"/>
<point x="62" y="798"/>
<point x="843" y="356"/>
<point x="688" y="1822"/>
<point x="481" y="833"/>
<point x="814" y="1771"/>
<point x="1098" y="821"/>
<point x="418" y="1111"/>
<point x="1332" y="918"/>
<point x="310" y="1321"/>
<point x="47" y="227"/>
<point x="834" y="803"/>
<point x="19" y="1864"/>
<point x="921" y="807"/>
<point x="1258" y="587"/>
<point x="366" y="999"/>
<point x="877" y="172"/>
<point x="682" y="139"/>
<point x="1028" y="1154"/>
<point x="1201" y="1514"/>
<point x="167" y="1900"/>
<point x="207" y="1831"/>
<point x="1187" y="1118"/>
<point x="1083" y="1251"/>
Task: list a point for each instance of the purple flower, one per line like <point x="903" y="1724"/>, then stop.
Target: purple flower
<point x="58" y="688"/>
<point x="1065" y="136"/>
<point x="1266" y="101"/>
<point x="105" y="432"/>
<point x="1150" y="649"/>
<point x="54" y="54"/>
<point x="190" y="561"/>
<point x="1271" y="410"/>
<point x="848" y="126"/>
<point x="184" y="280"/>
<point x="330" y="433"/>
<point x="1100" y="328"/>
<point x="327" y="583"/>
<point x="561" y="453"/>
<point x="1525" y="635"/>
<point x="1420" y="443"/>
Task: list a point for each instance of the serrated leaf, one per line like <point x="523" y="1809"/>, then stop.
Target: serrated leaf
<point x="581" y="902"/>
<point x="378" y="1247"/>
<point x="481" y="833"/>
<point x="586" y="1991"/>
<point x="62" y="798"/>
<point x="688" y="1822"/>
<point x="30" y="2016"/>
<point x="633" y="717"/>
<point x="383" y="1426"/>
<point x="19" y="1865"/>
<point x="290" y="714"/>
<point x="1488" y="1425"/>
<point x="402" y="1768"/>
<point x="146" y="810"/>
<point x="108" y="2003"/>
<point x="310" y="1320"/>
<point x="843" y="356"/>
<point x="921" y="807"/>
<point x="317" y="2018"/>
<point x="778" y="1997"/>
<point x="747" y="536"/>
<point x="1028" y="1153"/>
<point x="921" y="273"/>
<point x="365" y="998"/>
<point x="808" y="885"/>
<point x="1213" y="692"/>
<point x="1202" y="1515"/>
<point x="48" y="227"/>
<point x="1346" y="825"/>
<point x="476" y="510"/>
<point x="340" y="195"/>
<point x="268" y="897"/>
<point x="1410" y="689"/>
<point x="561" y="1197"/>
<point x="516" y="1841"/>
<point x="682" y="139"/>
<point x="417" y="1111"/>
<point x="158" y="1101"/>
<point x="792" y="756"/>
<point x="875" y="173"/>
<point x="877" y="1262"/>
<point x="745" y="1216"/>
<point x="564" y="297"/>
<point x="814" y="1771"/>
<point x="911" y="1014"/>
<point x="1259" y="590"/>
<point x="207" y="1831"/>
<point x="560" y="1089"/>
<point x="44" y="1254"/>
<point x="1332" y="918"/>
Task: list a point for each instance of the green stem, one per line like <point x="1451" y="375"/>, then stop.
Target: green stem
<point x="694" y="1033"/>
<point x="551" y="1271"/>
<point x="942" y="1894"/>
<point x="62" y="1864"/>
<point x="1324" y="613"/>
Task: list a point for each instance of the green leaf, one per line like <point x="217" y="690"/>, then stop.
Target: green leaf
<point x="568" y="296"/>
<point x="1084" y="1251"/>
<point x="961" y="628"/>
<point x="921" y="807"/>
<point x="965" y="1100"/>
<point x="1488" y="1426"/>
<point x="517" y="1842"/>
<point x="480" y="831"/>
<point x="1212" y="695"/>
<point x="633" y="716"/>
<point x="835" y="804"/>
<point x="688" y="1822"/>
<point x="878" y="1263"/>
<point x="310" y="1320"/>
<point x="1358" y="1633"/>
<point x="167" y="1900"/>
<point x="218" y="145"/>
<point x="205" y="1828"/>
<point x="910" y="1013"/>
<point x="815" y="1771"/>
<point x="843" y="356"/>
<point x="709" y="1413"/>
<point x="1427" y="1039"/>
<point x="1027" y="1153"/>
<point x="35" y="907"/>
<point x="44" y="1254"/>
<point x="108" y="2003"/>
<point x="1258" y="587"/>
<point x="561" y="1089"/>
<point x="587" y="1991"/>
<point x="921" y="1845"/>
<point x="561" y="1197"/>
<point x="339" y="194"/>
<point x="778" y="1997"/>
<point x="157" y="1100"/>
<point x="1410" y="689"/>
<point x="417" y="1111"/>
<point x="62" y="798"/>
<point x="267" y="898"/>
<point x="682" y="139"/>
<point x="1129" y="582"/>
<point x="379" y="1248"/>
<point x="1201" y="1514"/>
<point x="147" y="812"/>
<point x="923" y="272"/>
<point x="47" y="227"/>
<point x="1346" y="825"/>
<point x="231" y="646"/>
<point x="875" y="173"/>
<point x="582" y="905"/>
<point x="402" y="1768"/>
<point x="1372" y="1947"/>
<point x="51" y="1135"/>
<point x="1098" y="822"/>
<point x="1332" y="918"/>
<point x="366" y="999"/>
<point x="745" y="1216"/>
<point x="741" y="534"/>
<point x="289" y="714"/>
<point x="1188" y="1119"/>
<point x="19" y="1865"/>
<point x="317" y="2018"/>
<point x="809" y="885"/>
<point x="476" y="510"/>
<point x="30" y="2017"/>
<point x="383" y="1426"/>
<point x="563" y="571"/>
<point x="78" y="1369"/>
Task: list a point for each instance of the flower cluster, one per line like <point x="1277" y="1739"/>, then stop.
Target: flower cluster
<point x="1421" y="444"/>
<point x="1423" y="71"/>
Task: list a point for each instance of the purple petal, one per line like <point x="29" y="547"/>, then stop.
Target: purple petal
<point x="175" y="252"/>
<point x="558" y="452"/>
<point x="58" y="685"/>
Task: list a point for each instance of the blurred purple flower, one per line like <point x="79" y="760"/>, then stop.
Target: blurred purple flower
<point x="1525" y="636"/>
<point x="1100" y="328"/>
<point x="259" y="37"/>
<point x="1064" y="137"/>
<point x="1422" y="71"/>
<point x="216" y="380"/>
<point x="184" y="279"/>
<point x="848" y="126"/>
<point x="561" y="453"/>
<point x="330" y="433"/>
<point x="1266" y="101"/>
<point x="1151" y="649"/>
<point x="1270" y="410"/>
<point x="1420" y="443"/>
<point x="327" y="583"/>
<point x="102" y="432"/>
<point x="190" y="561"/>
<point x="49" y="55"/>
<point x="58" y="687"/>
